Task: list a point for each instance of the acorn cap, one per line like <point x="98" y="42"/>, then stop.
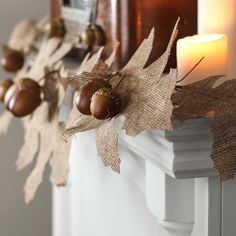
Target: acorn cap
<point x="105" y="104"/>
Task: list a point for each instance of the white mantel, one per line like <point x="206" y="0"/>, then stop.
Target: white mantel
<point x="167" y="186"/>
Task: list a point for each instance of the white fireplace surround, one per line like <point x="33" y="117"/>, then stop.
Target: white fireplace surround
<point x="167" y="186"/>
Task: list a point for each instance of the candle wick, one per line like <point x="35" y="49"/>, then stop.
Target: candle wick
<point x="191" y="70"/>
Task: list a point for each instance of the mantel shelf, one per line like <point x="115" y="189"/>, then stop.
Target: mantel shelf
<point x="182" y="153"/>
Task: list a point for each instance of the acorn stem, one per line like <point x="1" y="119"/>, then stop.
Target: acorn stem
<point x="48" y="74"/>
<point x="191" y="70"/>
<point x="122" y="77"/>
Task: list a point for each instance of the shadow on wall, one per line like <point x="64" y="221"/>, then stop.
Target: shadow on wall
<point x="17" y="219"/>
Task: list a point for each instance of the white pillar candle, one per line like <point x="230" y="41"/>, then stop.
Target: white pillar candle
<point x="219" y="17"/>
<point x="191" y="50"/>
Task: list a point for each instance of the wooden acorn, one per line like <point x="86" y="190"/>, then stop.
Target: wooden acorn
<point x="86" y="92"/>
<point x="105" y="103"/>
<point x="12" y="60"/>
<point x="23" y="97"/>
<point x="4" y="86"/>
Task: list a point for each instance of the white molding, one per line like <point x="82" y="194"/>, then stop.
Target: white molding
<point x="182" y="153"/>
<point x="170" y="200"/>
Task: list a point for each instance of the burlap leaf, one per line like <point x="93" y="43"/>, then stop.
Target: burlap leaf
<point x="60" y="161"/>
<point x="49" y="145"/>
<point x="107" y="145"/>
<point x="140" y="57"/>
<point x="224" y="129"/>
<point x="81" y="124"/>
<point x="224" y="136"/>
<point x="98" y="72"/>
<point x="24" y="35"/>
<point x="5" y="121"/>
<point x="90" y="68"/>
<point x="150" y="92"/>
<point x="196" y="100"/>
<point x="45" y="152"/>
<point x="42" y="135"/>
<point x="30" y="146"/>
<point x="154" y="109"/>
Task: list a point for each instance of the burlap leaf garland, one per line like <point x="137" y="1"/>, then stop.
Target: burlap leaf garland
<point x="42" y="138"/>
<point x="90" y="68"/>
<point x="197" y="99"/>
<point x="22" y="38"/>
<point x="143" y="92"/>
<point x="107" y="145"/>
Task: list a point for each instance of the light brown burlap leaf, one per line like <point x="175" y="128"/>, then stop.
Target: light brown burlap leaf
<point x="140" y="57"/>
<point x="224" y="129"/>
<point x="30" y="145"/>
<point x="224" y="136"/>
<point x="81" y="124"/>
<point x="90" y="69"/>
<point x="42" y="136"/>
<point x="98" y="72"/>
<point x="107" y="145"/>
<point x="50" y="146"/>
<point x="150" y="96"/>
<point x="60" y="159"/>
<point x="194" y="99"/>
<point x="154" y="109"/>
<point x="109" y="61"/>
<point x="202" y="97"/>
<point x="5" y="121"/>
<point x="23" y="36"/>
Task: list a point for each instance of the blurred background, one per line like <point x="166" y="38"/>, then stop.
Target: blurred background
<point x="16" y="218"/>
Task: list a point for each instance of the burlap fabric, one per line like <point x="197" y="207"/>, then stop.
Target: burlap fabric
<point x="200" y="98"/>
<point x="42" y="138"/>
<point x="145" y="94"/>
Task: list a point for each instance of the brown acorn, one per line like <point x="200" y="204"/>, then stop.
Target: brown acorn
<point x="4" y="86"/>
<point x="86" y="92"/>
<point x="105" y="104"/>
<point x="23" y="97"/>
<point x="13" y="60"/>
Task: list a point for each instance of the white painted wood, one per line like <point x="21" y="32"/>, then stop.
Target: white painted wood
<point x="104" y="203"/>
<point x="167" y="199"/>
<point x="181" y="153"/>
<point x="207" y="207"/>
<point x="61" y="211"/>
<point x="229" y="208"/>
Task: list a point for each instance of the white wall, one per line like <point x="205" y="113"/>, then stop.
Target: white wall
<point x="17" y="219"/>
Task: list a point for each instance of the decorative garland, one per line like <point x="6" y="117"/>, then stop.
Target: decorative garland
<point x="143" y="95"/>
